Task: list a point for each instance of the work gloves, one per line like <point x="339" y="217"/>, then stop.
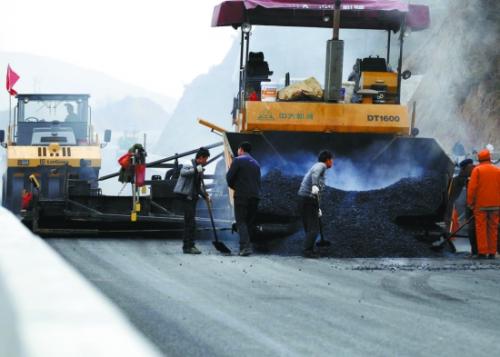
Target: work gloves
<point x="315" y="190"/>
<point x="199" y="168"/>
<point x="320" y="214"/>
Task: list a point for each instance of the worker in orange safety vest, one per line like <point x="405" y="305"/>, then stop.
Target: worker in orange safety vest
<point x="483" y="197"/>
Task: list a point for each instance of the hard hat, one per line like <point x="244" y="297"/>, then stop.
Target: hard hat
<point x="484" y="155"/>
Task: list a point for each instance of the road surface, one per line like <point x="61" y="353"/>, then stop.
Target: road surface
<point x="213" y="305"/>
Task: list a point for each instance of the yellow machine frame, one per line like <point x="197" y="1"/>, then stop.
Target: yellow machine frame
<point x="25" y="161"/>
<point x="53" y="155"/>
<point x="324" y="117"/>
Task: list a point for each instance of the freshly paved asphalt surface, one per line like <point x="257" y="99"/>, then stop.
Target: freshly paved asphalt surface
<point x="266" y="305"/>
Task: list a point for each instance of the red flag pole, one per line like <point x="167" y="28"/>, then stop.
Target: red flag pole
<point x="12" y="78"/>
<point x="10" y="111"/>
<point x="7" y="84"/>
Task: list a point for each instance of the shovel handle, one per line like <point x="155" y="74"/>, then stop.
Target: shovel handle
<point x="209" y="208"/>
<point x="461" y="227"/>
<point x="321" y="229"/>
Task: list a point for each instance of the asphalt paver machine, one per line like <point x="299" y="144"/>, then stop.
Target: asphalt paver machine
<point x="372" y="129"/>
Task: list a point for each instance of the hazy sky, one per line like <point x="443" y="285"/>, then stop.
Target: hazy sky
<point x="157" y="44"/>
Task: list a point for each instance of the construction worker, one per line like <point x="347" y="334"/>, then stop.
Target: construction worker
<point x="457" y="186"/>
<point x="483" y="197"/>
<point x="312" y="184"/>
<point x="26" y="200"/>
<point x="189" y="187"/>
<point x="244" y="178"/>
<point x="71" y="116"/>
<point x="128" y="162"/>
<point x="466" y="168"/>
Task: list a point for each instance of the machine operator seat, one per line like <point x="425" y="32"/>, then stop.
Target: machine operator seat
<point x="373" y="64"/>
<point x="257" y="71"/>
<point x="256" y="66"/>
<point x="367" y="64"/>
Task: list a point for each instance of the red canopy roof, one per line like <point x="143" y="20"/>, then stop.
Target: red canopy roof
<point x="355" y="14"/>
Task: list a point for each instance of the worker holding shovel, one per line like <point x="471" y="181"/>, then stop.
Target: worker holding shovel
<point x="312" y="183"/>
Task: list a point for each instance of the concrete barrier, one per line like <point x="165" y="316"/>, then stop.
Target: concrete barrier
<point x="48" y="309"/>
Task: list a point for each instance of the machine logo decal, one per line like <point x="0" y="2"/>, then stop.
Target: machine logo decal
<point x="265" y="115"/>
<point x="53" y="162"/>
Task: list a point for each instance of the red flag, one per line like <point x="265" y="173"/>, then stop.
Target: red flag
<point x="12" y="78"/>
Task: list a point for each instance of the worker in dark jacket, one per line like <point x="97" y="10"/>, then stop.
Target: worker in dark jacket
<point x="244" y="178"/>
<point x="458" y="183"/>
<point x="483" y="197"/>
<point x="189" y="188"/>
<point x="312" y="184"/>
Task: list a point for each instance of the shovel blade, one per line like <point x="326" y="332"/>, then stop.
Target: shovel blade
<point x="442" y="242"/>
<point x="452" y="247"/>
<point x="221" y="247"/>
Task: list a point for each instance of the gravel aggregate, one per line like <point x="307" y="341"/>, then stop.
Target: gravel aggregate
<point x="359" y="224"/>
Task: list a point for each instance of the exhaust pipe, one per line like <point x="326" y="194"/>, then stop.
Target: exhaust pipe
<point x="334" y="60"/>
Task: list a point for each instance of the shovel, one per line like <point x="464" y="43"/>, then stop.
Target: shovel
<point x="323" y="243"/>
<point x="221" y="247"/>
<point x="447" y="237"/>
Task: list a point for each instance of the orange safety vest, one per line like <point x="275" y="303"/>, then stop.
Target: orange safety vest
<point x="484" y="186"/>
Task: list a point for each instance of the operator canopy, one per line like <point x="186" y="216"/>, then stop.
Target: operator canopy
<point x="355" y="14"/>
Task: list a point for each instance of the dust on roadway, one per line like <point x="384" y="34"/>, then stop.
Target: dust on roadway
<point x="268" y="305"/>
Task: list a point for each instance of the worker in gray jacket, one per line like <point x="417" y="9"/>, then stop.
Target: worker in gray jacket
<point x="189" y="189"/>
<point x="312" y="184"/>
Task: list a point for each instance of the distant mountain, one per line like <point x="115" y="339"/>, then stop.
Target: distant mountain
<point x="209" y="96"/>
<point x="48" y="75"/>
<point x="130" y="114"/>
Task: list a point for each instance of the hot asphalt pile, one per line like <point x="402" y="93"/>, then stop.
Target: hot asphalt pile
<point x="359" y="224"/>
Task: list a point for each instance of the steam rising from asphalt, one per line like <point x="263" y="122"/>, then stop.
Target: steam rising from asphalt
<point x="458" y="56"/>
<point x="348" y="173"/>
<point x="348" y="176"/>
